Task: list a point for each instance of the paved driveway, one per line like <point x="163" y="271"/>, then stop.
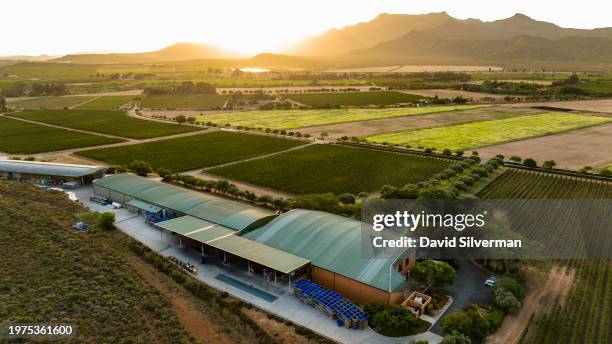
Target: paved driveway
<point x="468" y="288"/>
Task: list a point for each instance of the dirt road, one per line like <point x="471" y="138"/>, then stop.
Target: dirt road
<point x="542" y="291"/>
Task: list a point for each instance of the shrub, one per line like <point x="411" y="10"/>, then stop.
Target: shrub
<point x="530" y="162"/>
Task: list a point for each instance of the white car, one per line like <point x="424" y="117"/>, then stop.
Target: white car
<point x="490" y="281"/>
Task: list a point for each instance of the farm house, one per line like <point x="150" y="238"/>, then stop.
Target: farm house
<point x="282" y="249"/>
<point x="45" y="173"/>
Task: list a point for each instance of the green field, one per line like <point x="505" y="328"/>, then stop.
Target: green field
<point x="112" y="122"/>
<point x="333" y="168"/>
<point x="105" y="102"/>
<point x="27" y="138"/>
<point x="48" y="102"/>
<point x="185" y="101"/>
<point x="353" y="98"/>
<point x="192" y="152"/>
<point x="291" y="119"/>
<point x="486" y="133"/>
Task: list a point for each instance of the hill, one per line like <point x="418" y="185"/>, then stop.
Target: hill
<point x="511" y="41"/>
<point x="363" y="35"/>
<point x="438" y="38"/>
<point x="174" y="52"/>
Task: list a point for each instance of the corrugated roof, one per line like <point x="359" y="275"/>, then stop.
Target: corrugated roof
<point x="232" y="214"/>
<point x="331" y="242"/>
<point x="144" y="206"/>
<point x="50" y="169"/>
<point x="258" y="253"/>
<point x="226" y="239"/>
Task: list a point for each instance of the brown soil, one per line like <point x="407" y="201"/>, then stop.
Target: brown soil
<point x="196" y="323"/>
<point x="573" y="149"/>
<point x="476" y="96"/>
<point x="283" y="333"/>
<point x="542" y="291"/>
<point x="603" y="105"/>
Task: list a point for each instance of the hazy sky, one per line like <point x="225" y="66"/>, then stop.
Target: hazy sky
<point x="250" y="26"/>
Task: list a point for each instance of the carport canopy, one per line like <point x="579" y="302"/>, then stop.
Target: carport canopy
<point x="144" y="206"/>
<point x="228" y="240"/>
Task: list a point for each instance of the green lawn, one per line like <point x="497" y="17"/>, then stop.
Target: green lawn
<point x="113" y="122"/>
<point x="291" y="119"/>
<point x="486" y="133"/>
<point x="27" y="138"/>
<point x="353" y="98"/>
<point x="333" y="168"/>
<point x="185" y="101"/>
<point x="48" y="102"/>
<point x="105" y="102"/>
<point x="192" y="152"/>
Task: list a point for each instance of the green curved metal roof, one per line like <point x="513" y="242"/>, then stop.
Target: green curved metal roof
<point x="331" y="242"/>
<point x="231" y="214"/>
<point x="50" y="169"/>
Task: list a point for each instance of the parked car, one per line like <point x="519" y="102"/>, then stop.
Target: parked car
<point x="490" y="282"/>
<point x="101" y="200"/>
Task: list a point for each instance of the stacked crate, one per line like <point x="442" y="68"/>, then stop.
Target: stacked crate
<point x="333" y="304"/>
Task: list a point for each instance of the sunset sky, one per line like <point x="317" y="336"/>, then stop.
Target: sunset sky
<point x="65" y="26"/>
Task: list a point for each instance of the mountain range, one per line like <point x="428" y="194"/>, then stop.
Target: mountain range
<point x="389" y="39"/>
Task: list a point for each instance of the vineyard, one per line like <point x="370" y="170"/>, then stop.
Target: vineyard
<point x="27" y="138"/>
<point x="110" y="122"/>
<point x="332" y="168"/>
<point x="48" y="102"/>
<point x="185" y="101"/>
<point x="192" y="152"/>
<point x="106" y="102"/>
<point x="586" y="315"/>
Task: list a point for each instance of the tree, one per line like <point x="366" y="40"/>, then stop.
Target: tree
<point x="436" y="192"/>
<point x="180" y="119"/>
<point x="469" y="323"/>
<point x="605" y="172"/>
<point x="515" y="158"/>
<point x="106" y="221"/>
<point x="506" y="300"/>
<point x="347" y="198"/>
<point x="2" y="103"/>
<point x="362" y="196"/>
<point x="164" y="173"/>
<point x="585" y="169"/>
<point x="549" y="164"/>
<point x="433" y="273"/>
<point x="456" y="338"/>
<point x="141" y="168"/>
<point x="530" y="162"/>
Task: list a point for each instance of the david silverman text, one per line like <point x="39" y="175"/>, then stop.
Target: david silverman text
<point x="424" y="242"/>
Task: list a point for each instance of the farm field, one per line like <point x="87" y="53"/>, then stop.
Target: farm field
<point x="112" y="122"/>
<point x="584" y="317"/>
<point x="438" y="119"/>
<point x="185" y="101"/>
<point x="48" y="102"/>
<point x="292" y="119"/>
<point x="571" y="150"/>
<point x="27" y="138"/>
<point x="106" y="102"/>
<point x="600" y="105"/>
<point x="353" y="98"/>
<point x="193" y="152"/>
<point x="486" y="133"/>
<point x="442" y="93"/>
<point x="333" y="168"/>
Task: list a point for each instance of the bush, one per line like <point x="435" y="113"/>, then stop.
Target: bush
<point x="530" y="162"/>
<point x="469" y="323"/>
<point x="141" y="168"/>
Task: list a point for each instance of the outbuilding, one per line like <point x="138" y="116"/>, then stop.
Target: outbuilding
<point x="46" y="173"/>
